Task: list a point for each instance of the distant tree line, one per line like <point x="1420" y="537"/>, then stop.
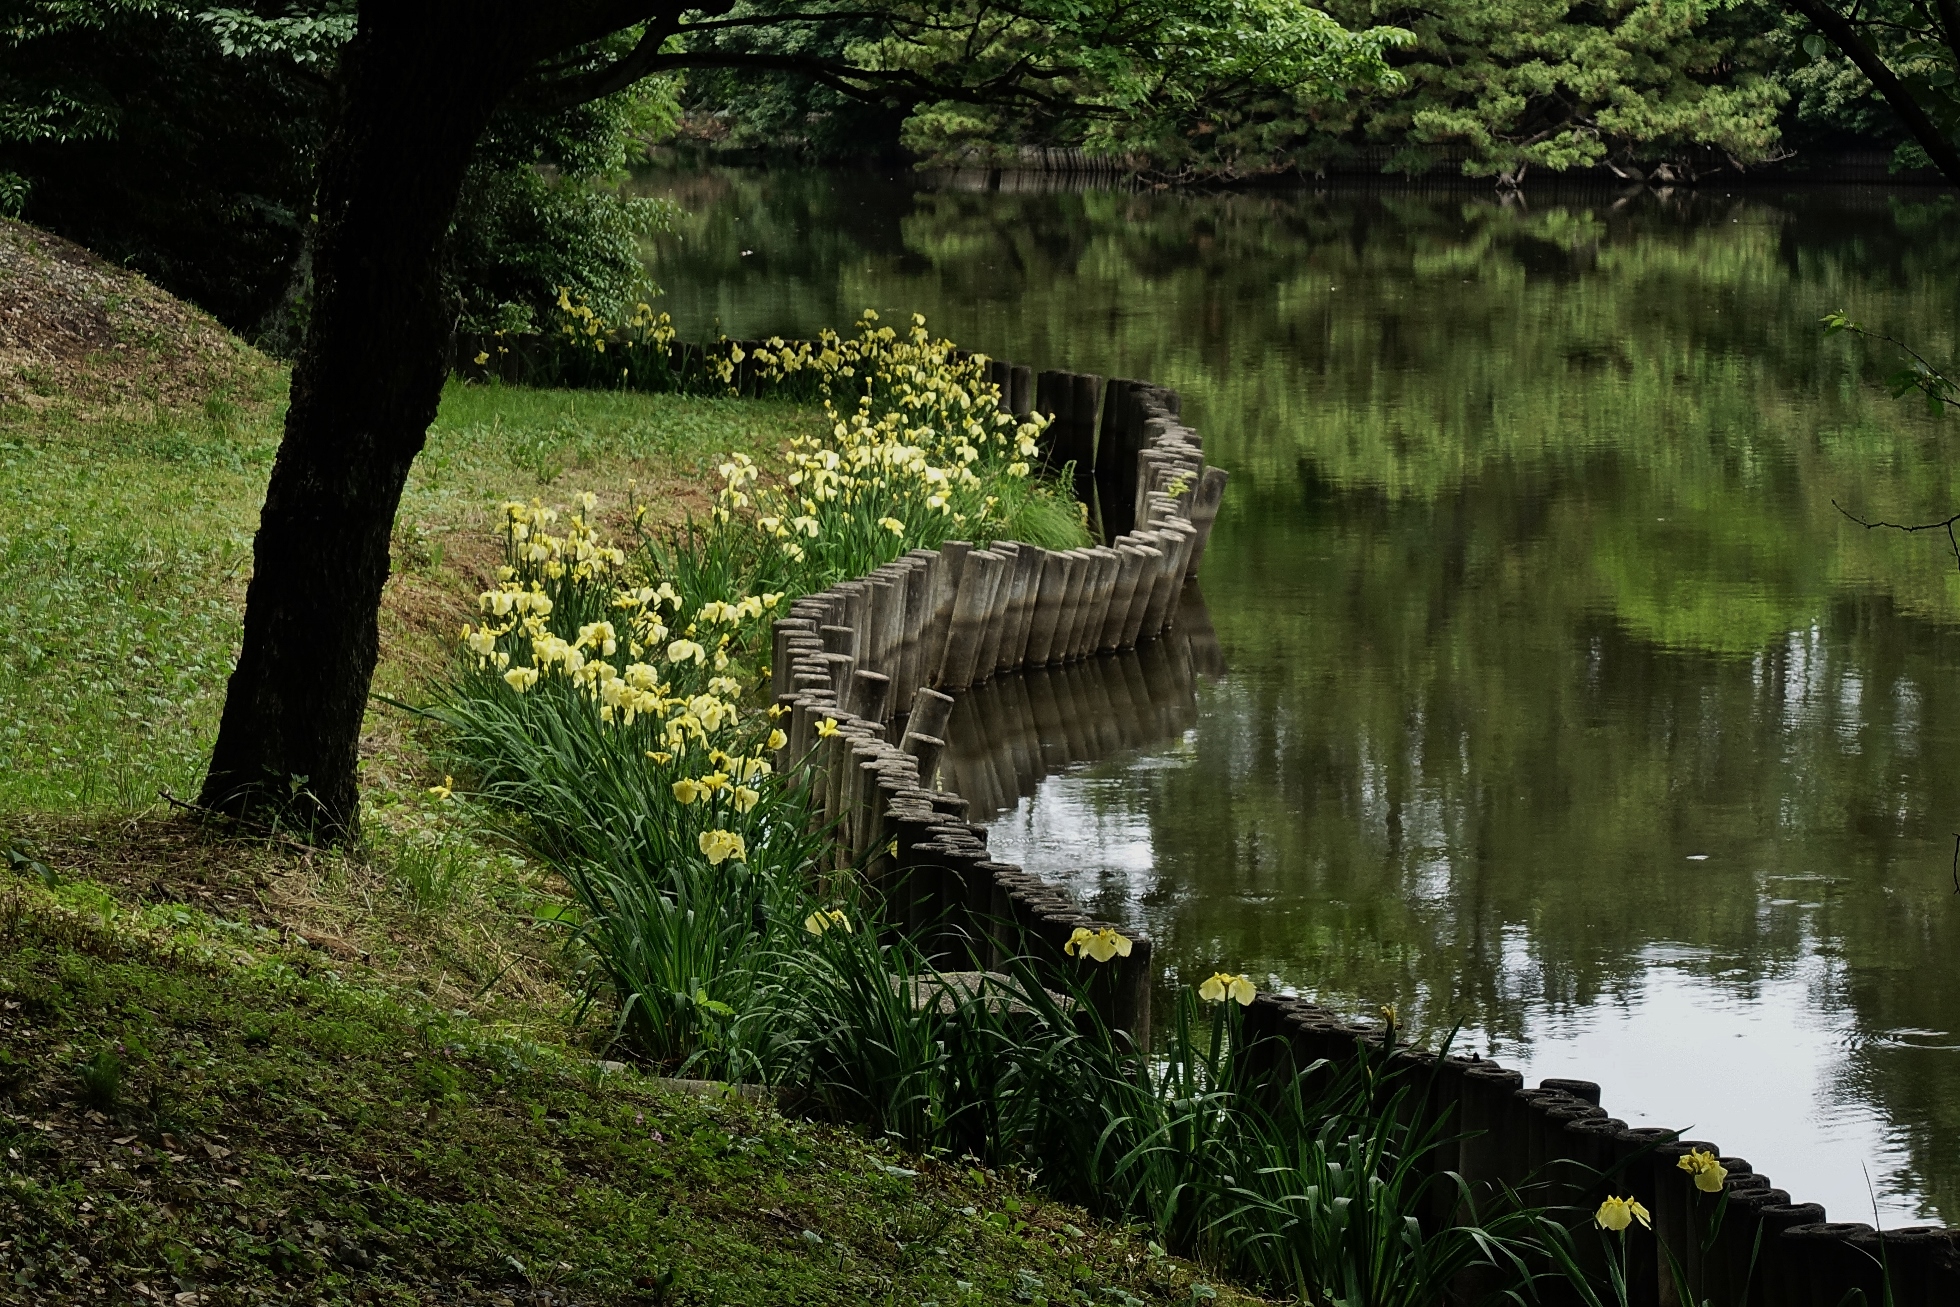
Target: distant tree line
<point x="1660" y="90"/>
<point x="182" y="138"/>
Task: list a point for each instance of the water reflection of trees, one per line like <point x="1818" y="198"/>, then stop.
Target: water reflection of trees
<point x="1455" y="778"/>
<point x="1529" y="576"/>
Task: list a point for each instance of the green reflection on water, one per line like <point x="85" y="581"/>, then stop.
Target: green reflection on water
<point x="1529" y="581"/>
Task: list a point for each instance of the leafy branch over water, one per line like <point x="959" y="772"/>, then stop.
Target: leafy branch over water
<point x="1940" y="391"/>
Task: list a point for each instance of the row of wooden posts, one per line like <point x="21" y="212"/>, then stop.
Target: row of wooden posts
<point x="882" y="658"/>
<point x="1558" y="1146"/>
<point x="868" y="669"/>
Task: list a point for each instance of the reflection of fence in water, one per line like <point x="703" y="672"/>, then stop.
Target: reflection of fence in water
<point x="1009" y="734"/>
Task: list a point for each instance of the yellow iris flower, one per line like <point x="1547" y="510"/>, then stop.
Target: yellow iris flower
<point x="1102" y="944"/>
<point x="1617" y="1214"/>
<point x="1703" y="1168"/>
<point x="1224" y="985"/>
<point x="821" y="920"/>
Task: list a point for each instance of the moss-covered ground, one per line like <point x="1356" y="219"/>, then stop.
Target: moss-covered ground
<point x="235" y="1073"/>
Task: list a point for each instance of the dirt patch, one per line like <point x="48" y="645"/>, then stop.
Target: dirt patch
<point x="75" y="325"/>
<point x="145" y="860"/>
<point x="345" y="908"/>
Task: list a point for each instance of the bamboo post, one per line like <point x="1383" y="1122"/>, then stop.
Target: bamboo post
<point x="840" y="667"/>
<point x="870" y="694"/>
<point x="912" y="624"/>
<point x="1081" y="438"/>
<point x="1638" y="1178"/>
<point x="993" y="625"/>
<point x="974" y="601"/>
<point x="1096" y="603"/>
<point x="1148" y="574"/>
<point x="887" y="618"/>
<point x="782" y="633"/>
<point x="1718" y="1259"/>
<point x="1061" y="649"/>
<point x="1485" y="1109"/>
<point x="927" y="749"/>
<point x="1027" y="561"/>
<point x="1021" y="391"/>
<point x="1129" y="567"/>
<point x="1924" y="1261"/>
<point x="1054" y="399"/>
<point x="1783" y="1277"/>
<point x="839" y="640"/>
<point x="1051" y="601"/>
<point x="1751" y="1243"/>
<point x="1017" y="656"/>
<point x="945" y="593"/>
<point x="1826" y="1264"/>
<point x="1115" y="465"/>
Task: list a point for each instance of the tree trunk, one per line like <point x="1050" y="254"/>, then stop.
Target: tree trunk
<point x="1844" y="34"/>
<point x="419" y="84"/>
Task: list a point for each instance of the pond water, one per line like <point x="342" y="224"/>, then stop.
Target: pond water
<point x="1552" y="697"/>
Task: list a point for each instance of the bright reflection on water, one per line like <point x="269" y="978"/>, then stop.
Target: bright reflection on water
<point x="1554" y="697"/>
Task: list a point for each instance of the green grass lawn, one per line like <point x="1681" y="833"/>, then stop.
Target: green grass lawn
<point x="125" y="544"/>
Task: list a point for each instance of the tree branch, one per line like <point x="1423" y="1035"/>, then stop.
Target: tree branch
<point x="1946" y="525"/>
<point x="765" y="20"/>
<point x="1843" y="34"/>
<point x="848" y="79"/>
<point x="564" y="92"/>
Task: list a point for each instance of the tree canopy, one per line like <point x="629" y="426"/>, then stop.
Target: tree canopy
<point x="1665" y="90"/>
<point x="184" y="138"/>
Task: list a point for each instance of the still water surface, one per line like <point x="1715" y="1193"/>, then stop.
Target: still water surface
<point x="1554" y="697"/>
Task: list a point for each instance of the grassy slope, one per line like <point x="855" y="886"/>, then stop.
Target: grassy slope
<point x="270" y="1129"/>
<point x="355" y="1077"/>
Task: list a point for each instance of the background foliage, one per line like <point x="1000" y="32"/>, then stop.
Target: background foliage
<point x="181" y="140"/>
<point x="1492" y="89"/>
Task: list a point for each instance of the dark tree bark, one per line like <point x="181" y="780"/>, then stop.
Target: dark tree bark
<point x="420" y="82"/>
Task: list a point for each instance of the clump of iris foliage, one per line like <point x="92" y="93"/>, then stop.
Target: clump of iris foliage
<point x="607" y="714"/>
